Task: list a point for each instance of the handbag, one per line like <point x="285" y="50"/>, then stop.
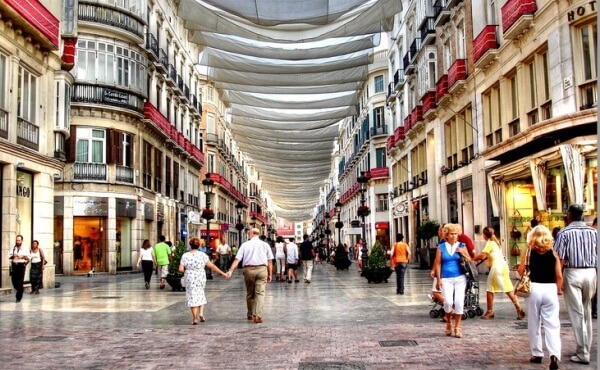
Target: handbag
<point x="523" y="285"/>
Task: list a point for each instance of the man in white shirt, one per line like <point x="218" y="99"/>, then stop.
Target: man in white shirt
<point x="292" y="261"/>
<point x="224" y="251"/>
<point x="19" y="258"/>
<point x="258" y="270"/>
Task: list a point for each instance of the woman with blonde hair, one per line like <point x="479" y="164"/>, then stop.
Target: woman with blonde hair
<point x="451" y="281"/>
<point x="498" y="280"/>
<point x="193" y="265"/>
<point x="546" y="285"/>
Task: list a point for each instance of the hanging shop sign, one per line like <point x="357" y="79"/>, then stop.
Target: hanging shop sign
<point x="382" y="225"/>
<point x="90" y="206"/>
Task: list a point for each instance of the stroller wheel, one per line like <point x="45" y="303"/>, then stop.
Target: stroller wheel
<point x="479" y="311"/>
<point x="464" y="316"/>
<point x="433" y="314"/>
<point x="471" y="314"/>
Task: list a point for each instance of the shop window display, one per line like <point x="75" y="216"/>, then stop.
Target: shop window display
<point x="89" y="244"/>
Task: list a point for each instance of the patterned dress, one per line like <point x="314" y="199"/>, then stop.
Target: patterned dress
<point x="195" y="277"/>
<point x="498" y="280"/>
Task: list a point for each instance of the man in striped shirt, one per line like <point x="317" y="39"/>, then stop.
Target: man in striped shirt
<point x="576" y="245"/>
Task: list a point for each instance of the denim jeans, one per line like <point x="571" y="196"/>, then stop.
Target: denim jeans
<point x="400" y="272"/>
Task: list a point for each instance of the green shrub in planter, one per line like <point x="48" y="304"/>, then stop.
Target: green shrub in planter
<point x="341" y="260"/>
<point x="174" y="276"/>
<point x="377" y="270"/>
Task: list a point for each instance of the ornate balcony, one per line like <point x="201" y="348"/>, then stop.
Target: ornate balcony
<point x="391" y="95"/>
<point x="407" y="123"/>
<point x="441" y="90"/>
<point x="456" y="73"/>
<point x="152" y="47"/>
<point x="106" y="15"/>
<point x="428" y="101"/>
<point x="3" y="124"/>
<point x="442" y="14"/>
<point x="485" y="47"/>
<point x="98" y="94"/>
<point x="35" y="19"/>
<point x="416" y="115"/>
<point x="427" y="31"/>
<point x="171" y="75"/>
<point x="399" y="79"/>
<point x="28" y="134"/>
<point x="124" y="174"/>
<point x="89" y="171"/>
<point x="399" y="134"/>
<point x="162" y="66"/>
<point x="390" y="142"/>
<point x="378" y="131"/>
<point x="517" y="16"/>
<point x="379" y="173"/>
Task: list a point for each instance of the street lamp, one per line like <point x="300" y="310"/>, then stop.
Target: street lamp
<point x="240" y="225"/>
<point x="339" y="224"/>
<point x="207" y="213"/>
<point x="363" y="211"/>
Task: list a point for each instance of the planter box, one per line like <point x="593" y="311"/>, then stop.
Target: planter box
<point x="175" y="283"/>
<point x="377" y="275"/>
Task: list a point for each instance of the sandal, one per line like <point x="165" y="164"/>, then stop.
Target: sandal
<point x="488" y="315"/>
<point x="520" y="314"/>
<point x="194" y="322"/>
<point x="449" y="328"/>
<point x="202" y="319"/>
<point x="458" y="332"/>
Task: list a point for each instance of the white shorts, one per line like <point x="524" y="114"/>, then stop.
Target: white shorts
<point x="163" y="271"/>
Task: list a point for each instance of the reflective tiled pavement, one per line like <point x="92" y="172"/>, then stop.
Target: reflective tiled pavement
<point x="337" y="322"/>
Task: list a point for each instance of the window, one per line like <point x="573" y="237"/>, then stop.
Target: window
<point x="491" y="116"/>
<point x="105" y="62"/>
<point x="3" y="82"/>
<point x="210" y="162"/>
<point x="168" y="176"/>
<point x="451" y="144"/>
<point x="378" y="84"/>
<point x="465" y="129"/>
<point x="91" y="145"/>
<point x="382" y="203"/>
<point x="210" y="124"/>
<point x="210" y="94"/>
<point x="125" y="150"/>
<point x="460" y="40"/>
<point x="175" y="180"/>
<point x="586" y="42"/>
<point x="380" y="158"/>
<point x="147" y="181"/>
<point x="378" y="120"/>
<point x="69" y="23"/>
<point x="514" y="126"/>
<point x="431" y="71"/>
<point x="539" y="104"/>
<point x="27" y="96"/>
<point x="157" y="170"/>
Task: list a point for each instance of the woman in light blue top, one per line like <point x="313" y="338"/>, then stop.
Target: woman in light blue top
<point x="451" y="281"/>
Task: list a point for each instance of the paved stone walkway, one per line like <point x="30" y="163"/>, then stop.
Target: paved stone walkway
<point x="337" y="322"/>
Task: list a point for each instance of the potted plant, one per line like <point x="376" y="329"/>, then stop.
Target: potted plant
<point x="426" y="231"/>
<point x="377" y="270"/>
<point x="341" y="260"/>
<point x="207" y="214"/>
<point x="174" y="276"/>
<point x="363" y="211"/>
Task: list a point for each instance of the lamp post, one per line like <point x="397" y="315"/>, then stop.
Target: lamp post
<point x="339" y="224"/>
<point x="240" y="225"/>
<point x="363" y="211"/>
<point x="208" y="213"/>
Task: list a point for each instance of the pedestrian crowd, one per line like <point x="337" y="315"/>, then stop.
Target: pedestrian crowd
<point x="558" y="262"/>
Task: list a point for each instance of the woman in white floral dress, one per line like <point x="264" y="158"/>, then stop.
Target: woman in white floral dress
<point x="192" y="265"/>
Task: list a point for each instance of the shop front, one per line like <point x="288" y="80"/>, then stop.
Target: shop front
<point x="126" y="210"/>
<point x="90" y="216"/>
<point x="540" y="189"/>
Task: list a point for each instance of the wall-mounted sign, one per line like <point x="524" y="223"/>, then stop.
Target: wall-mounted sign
<point x="59" y="206"/>
<point x="126" y="207"/>
<point x="90" y="206"/>
<point x="585" y="9"/>
<point x="160" y="212"/>
<point x="113" y="96"/>
<point x="148" y="211"/>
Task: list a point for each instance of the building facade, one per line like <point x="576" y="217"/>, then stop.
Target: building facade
<point x="494" y="107"/>
<point x="34" y="123"/>
<point x="362" y="150"/>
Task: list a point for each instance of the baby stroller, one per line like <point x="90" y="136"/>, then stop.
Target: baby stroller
<point x="471" y="308"/>
<point x="437" y="310"/>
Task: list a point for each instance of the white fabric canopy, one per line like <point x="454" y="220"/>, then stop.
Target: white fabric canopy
<point x="289" y="71"/>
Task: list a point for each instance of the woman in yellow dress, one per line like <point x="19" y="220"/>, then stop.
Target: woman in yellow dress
<point x="499" y="277"/>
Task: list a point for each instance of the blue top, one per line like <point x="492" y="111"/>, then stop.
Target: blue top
<point x="450" y="266"/>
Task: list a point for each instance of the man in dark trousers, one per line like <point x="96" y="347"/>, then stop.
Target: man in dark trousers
<point x="19" y="258"/>
<point x="307" y="253"/>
